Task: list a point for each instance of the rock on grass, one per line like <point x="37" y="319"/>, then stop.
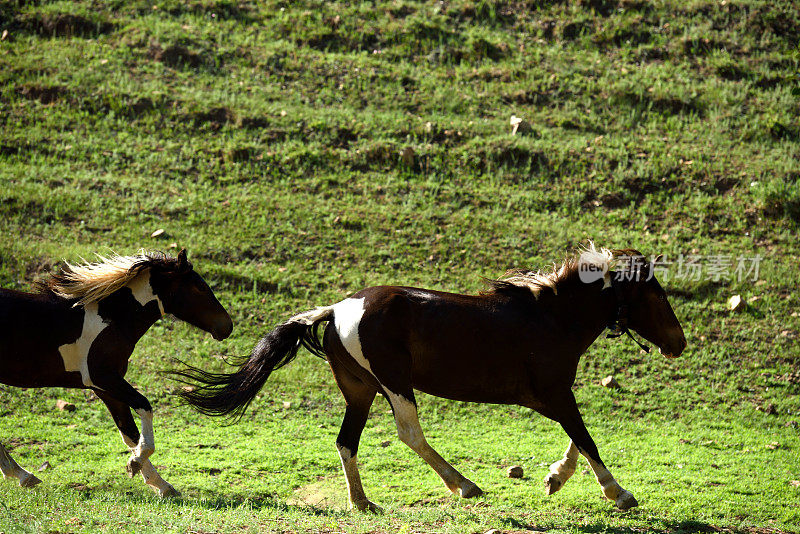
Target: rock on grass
<point x="65" y="406"/>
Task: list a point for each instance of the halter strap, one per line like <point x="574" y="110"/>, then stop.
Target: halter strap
<point x="619" y="323"/>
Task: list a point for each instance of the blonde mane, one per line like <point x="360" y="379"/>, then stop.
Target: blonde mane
<point x="92" y="282"/>
<point x="602" y="259"/>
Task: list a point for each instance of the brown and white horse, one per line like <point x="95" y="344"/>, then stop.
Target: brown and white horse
<point x="81" y="328"/>
<point x="517" y="343"/>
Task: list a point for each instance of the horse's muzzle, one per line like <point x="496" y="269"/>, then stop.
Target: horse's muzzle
<point x="223" y="329"/>
<point x="674" y="350"/>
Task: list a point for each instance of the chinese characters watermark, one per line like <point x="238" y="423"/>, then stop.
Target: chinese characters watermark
<point x="690" y="267"/>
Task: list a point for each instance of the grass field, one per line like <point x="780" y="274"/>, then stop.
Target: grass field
<point x="303" y="150"/>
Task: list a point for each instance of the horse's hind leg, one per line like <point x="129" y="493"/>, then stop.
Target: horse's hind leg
<point x="130" y="435"/>
<point x="561" y="470"/>
<point x="11" y="469"/>
<point x="359" y="397"/>
<point x="410" y="432"/>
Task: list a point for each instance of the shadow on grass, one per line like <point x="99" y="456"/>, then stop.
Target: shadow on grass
<point x="671" y="527"/>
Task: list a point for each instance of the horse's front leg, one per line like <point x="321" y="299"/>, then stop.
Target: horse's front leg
<point x="565" y="411"/>
<point x="11" y="469"/>
<point x="117" y="388"/>
<point x="130" y="435"/>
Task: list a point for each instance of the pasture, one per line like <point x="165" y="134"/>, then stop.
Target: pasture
<point x="301" y="151"/>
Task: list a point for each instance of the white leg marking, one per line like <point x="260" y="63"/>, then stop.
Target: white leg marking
<point x="150" y="475"/>
<point x="76" y="355"/>
<point x="11" y="469"/>
<point x="147" y="443"/>
<point x="154" y="480"/>
<point x="355" y="491"/>
<point x="561" y="470"/>
<point x="347" y="316"/>
<point x="410" y="433"/>
<point x="143" y="291"/>
<point x="622" y="498"/>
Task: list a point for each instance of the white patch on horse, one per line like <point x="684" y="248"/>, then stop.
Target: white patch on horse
<point x="347" y="316"/>
<point x="143" y="291"/>
<point x="76" y="354"/>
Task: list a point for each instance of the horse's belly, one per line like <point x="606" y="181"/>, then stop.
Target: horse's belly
<point x="497" y="382"/>
<point x="44" y="369"/>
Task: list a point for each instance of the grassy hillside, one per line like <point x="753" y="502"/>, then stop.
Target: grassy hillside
<point x="303" y="150"/>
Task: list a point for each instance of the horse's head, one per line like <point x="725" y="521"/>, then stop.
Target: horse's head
<point x="648" y="311"/>
<point x="187" y="296"/>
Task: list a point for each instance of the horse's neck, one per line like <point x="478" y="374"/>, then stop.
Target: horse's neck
<point x="584" y="311"/>
<point x="132" y="309"/>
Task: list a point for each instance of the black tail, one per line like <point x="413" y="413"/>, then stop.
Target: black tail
<point x="231" y="394"/>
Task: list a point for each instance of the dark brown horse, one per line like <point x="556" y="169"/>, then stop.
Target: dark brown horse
<point x="81" y="328"/>
<point x="517" y="343"/>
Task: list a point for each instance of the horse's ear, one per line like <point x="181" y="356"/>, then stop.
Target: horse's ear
<point x="650" y="268"/>
<point x="183" y="263"/>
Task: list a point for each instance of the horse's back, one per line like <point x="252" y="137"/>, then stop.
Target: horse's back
<point x="32" y="327"/>
<point x="464" y="347"/>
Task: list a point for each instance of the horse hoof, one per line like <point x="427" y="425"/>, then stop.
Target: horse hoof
<point x="470" y="490"/>
<point x="29" y="481"/>
<point x="367" y="506"/>
<point x="133" y="467"/>
<point x="552" y="483"/>
<point x="626" y="500"/>
<point x="169" y="492"/>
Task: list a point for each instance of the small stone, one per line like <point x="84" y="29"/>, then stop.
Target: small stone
<point x="45" y="466"/>
<point x="65" y="406"/>
<point x="385" y="443"/>
<point x="519" y="125"/>
<point x="736" y="303"/>
<point x="515" y="471"/>
<point x="609" y="382"/>
<point x="795" y="483"/>
<point x="188" y="389"/>
<point x="287" y="405"/>
<point x="408" y="156"/>
<point x="157" y="233"/>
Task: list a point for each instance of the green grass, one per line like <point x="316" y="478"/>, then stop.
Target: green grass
<point x="267" y="139"/>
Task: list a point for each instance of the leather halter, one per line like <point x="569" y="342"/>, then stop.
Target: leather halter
<point x="619" y="322"/>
